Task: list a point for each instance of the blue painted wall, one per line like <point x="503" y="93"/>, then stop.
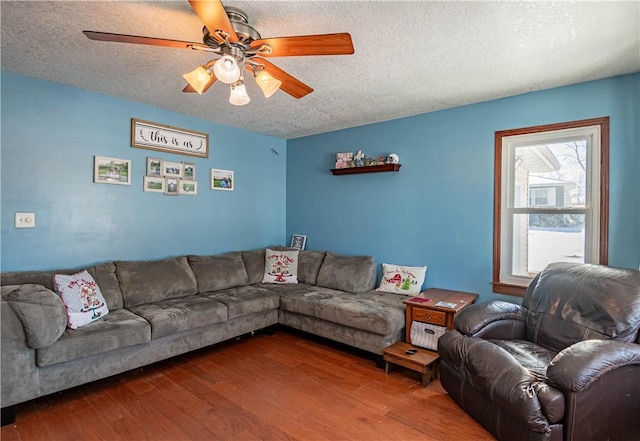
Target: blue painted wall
<point x="50" y="134"/>
<point x="438" y="210"/>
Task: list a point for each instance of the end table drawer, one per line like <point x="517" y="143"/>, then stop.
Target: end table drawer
<point x="429" y="316"/>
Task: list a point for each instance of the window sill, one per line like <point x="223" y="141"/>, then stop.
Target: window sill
<point x="512" y="290"/>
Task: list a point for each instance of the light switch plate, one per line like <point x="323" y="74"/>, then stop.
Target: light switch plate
<point x="25" y="220"/>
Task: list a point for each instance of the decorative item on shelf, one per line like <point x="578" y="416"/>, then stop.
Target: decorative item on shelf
<point x="392" y="159"/>
<point x="343" y="160"/>
<point x="349" y="163"/>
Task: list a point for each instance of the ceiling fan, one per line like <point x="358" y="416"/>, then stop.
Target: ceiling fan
<point x="240" y="47"/>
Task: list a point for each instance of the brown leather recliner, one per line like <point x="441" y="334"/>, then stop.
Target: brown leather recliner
<point x="563" y="366"/>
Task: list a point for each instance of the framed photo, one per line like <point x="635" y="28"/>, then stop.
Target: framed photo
<point x="171" y="169"/>
<point x="188" y="187"/>
<point x="154" y="184"/>
<point x="189" y="171"/>
<point x="154" y="136"/>
<point x="154" y="167"/>
<point x="111" y="170"/>
<point x="172" y="186"/>
<point x="222" y="179"/>
<point x="298" y="241"/>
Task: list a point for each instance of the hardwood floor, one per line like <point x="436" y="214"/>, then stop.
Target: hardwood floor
<point x="280" y="387"/>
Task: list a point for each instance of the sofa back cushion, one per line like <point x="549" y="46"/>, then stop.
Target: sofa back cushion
<point x="215" y="273"/>
<point x="354" y="274"/>
<point x="254" y="265"/>
<point x="570" y="302"/>
<point x="309" y="263"/>
<point x="152" y="281"/>
<point x="103" y="274"/>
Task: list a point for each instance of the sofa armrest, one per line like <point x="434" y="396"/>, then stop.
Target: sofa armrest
<point x="20" y="380"/>
<point x="40" y="311"/>
<point x="578" y="366"/>
<point x="492" y="320"/>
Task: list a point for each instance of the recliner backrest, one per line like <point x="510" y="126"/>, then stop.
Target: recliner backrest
<point x="570" y="302"/>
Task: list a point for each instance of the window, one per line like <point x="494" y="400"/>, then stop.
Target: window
<point x="550" y="199"/>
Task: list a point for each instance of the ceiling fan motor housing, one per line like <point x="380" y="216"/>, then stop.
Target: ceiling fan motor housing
<point x="246" y="34"/>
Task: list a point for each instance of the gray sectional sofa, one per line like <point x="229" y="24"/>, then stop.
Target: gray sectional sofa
<point x="162" y="308"/>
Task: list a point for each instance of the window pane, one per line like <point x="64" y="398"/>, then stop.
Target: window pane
<point x="540" y="239"/>
<point x="551" y="175"/>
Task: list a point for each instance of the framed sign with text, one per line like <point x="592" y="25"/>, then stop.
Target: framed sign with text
<point x="153" y="136"/>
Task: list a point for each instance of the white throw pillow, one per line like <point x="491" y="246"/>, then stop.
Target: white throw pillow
<point x="280" y="266"/>
<point x="402" y="279"/>
<point x="81" y="297"/>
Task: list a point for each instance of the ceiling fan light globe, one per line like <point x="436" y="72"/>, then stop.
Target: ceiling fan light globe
<point x="267" y="83"/>
<point x="239" y="96"/>
<point x="198" y="79"/>
<point x="226" y="70"/>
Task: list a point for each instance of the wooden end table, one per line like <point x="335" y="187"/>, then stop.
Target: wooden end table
<point x="426" y="310"/>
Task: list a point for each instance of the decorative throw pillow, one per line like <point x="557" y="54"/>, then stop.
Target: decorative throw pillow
<point x="81" y="297"/>
<point x="280" y="266"/>
<point x="402" y="279"/>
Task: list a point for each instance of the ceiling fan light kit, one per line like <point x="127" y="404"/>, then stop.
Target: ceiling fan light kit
<point x="228" y="34"/>
<point x="226" y="69"/>
<point x="198" y="78"/>
<point x="267" y="83"/>
<point x="239" y="96"/>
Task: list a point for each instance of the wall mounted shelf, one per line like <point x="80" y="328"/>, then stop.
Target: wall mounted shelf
<point x="367" y="169"/>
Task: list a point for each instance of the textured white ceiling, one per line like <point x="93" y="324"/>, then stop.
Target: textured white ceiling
<point x="410" y="57"/>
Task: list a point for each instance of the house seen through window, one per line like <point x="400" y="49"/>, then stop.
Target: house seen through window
<point x="550" y="199"/>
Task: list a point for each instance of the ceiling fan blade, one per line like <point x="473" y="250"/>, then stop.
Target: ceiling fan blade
<point x="290" y="85"/>
<point x="322" y="44"/>
<point x="214" y="17"/>
<point x="135" y="39"/>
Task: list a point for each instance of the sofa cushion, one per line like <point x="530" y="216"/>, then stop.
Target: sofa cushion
<point x="280" y="266"/>
<point x="309" y="263"/>
<point x="176" y="315"/>
<point x="254" y="264"/>
<point x="355" y="274"/>
<point x="375" y="312"/>
<point x="215" y="273"/>
<point x="144" y="282"/>
<point x="246" y="300"/>
<point x="103" y="274"/>
<point x="40" y="310"/>
<point x="44" y="278"/>
<point x="402" y="279"/>
<point x="81" y="297"/>
<point x="119" y="329"/>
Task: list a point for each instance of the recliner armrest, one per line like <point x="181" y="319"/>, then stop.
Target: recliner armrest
<point x="579" y="365"/>
<point x="492" y="320"/>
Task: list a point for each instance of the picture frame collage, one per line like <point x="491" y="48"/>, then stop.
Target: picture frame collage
<point x="171" y="178"/>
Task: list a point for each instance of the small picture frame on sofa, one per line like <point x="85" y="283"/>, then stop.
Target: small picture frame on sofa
<point x="298" y="241"/>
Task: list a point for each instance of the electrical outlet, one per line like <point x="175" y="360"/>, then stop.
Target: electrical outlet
<point x="25" y="220"/>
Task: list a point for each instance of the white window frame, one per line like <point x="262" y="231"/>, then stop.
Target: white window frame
<point x="596" y="132"/>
